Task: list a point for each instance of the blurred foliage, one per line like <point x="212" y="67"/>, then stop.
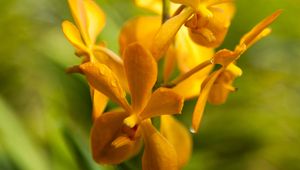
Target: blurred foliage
<point x="45" y="113"/>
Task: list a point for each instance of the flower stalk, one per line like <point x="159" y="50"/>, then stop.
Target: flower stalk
<point x="189" y="74"/>
<point x="166" y="10"/>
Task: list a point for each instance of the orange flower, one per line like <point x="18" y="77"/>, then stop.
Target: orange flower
<point x="147" y="30"/>
<point x="218" y="84"/>
<point x="210" y="22"/>
<point x="115" y="136"/>
<point x="90" y="20"/>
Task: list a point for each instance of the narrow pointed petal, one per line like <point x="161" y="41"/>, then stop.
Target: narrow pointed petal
<point x="159" y="154"/>
<point x="141" y="71"/>
<point x="105" y="81"/>
<point x="78" y="11"/>
<point x="201" y="103"/>
<point x="162" y="102"/>
<point x="170" y="63"/>
<point x="178" y="136"/>
<point x="259" y="28"/>
<point x="140" y="29"/>
<point x="73" y="35"/>
<point x="106" y="129"/>
<point x="99" y="103"/>
<point x="95" y="19"/>
<point x="167" y="32"/>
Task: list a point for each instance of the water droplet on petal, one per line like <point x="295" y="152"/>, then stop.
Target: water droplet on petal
<point x="102" y="71"/>
<point x="113" y="83"/>
<point x="192" y="130"/>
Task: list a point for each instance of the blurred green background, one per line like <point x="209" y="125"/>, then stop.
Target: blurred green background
<point x="45" y="113"/>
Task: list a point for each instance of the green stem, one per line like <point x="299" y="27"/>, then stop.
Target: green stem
<point x="165" y="10"/>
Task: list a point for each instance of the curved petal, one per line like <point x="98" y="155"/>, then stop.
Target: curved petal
<point x="225" y="57"/>
<point x="223" y="85"/>
<point x="167" y="32"/>
<point x="95" y="19"/>
<point x="159" y="154"/>
<point x="178" y="136"/>
<point x="162" y="102"/>
<point x="201" y="103"/>
<point x="80" y="17"/>
<point x="212" y="31"/>
<point x="259" y="31"/>
<point x="140" y="29"/>
<point x="105" y="81"/>
<point x="141" y="71"/>
<point x="99" y="103"/>
<point x="106" y="129"/>
<point x="189" y="53"/>
<point x="169" y="63"/>
<point x="113" y="61"/>
<point x="73" y="35"/>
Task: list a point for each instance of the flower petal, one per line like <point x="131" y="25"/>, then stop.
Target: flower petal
<point x="105" y="81"/>
<point x="189" y="53"/>
<point x="169" y="63"/>
<point x="200" y="105"/>
<point x="190" y="87"/>
<point x="159" y="154"/>
<point x="225" y="57"/>
<point x="95" y="19"/>
<point x="223" y="85"/>
<point x="258" y="30"/>
<point x="99" y="103"/>
<point x="106" y="129"/>
<point x="113" y="61"/>
<point x="79" y="14"/>
<point x="234" y="69"/>
<point x="178" y="136"/>
<point x="167" y="31"/>
<point x="192" y="3"/>
<point x="162" y="102"/>
<point x="73" y="35"/>
<point x="153" y="5"/>
<point x="140" y="29"/>
<point x="210" y="30"/>
<point x="141" y="71"/>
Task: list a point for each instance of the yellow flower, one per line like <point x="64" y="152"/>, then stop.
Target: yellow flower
<point x="218" y="84"/>
<point x="210" y="22"/>
<point x="116" y="136"/>
<point x="183" y="51"/>
<point x="90" y="20"/>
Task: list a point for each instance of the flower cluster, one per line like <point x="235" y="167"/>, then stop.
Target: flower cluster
<point x="185" y="41"/>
